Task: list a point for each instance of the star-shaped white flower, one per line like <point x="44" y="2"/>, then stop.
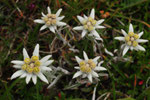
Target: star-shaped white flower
<point x="89" y="25"/>
<point x="88" y="67"/>
<point x="131" y="40"/>
<point x="32" y="67"/>
<point x="50" y="20"/>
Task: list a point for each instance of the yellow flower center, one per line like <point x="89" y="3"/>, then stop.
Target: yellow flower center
<point x="87" y="66"/>
<point x="135" y="43"/>
<point x="37" y="63"/>
<point x="91" y="63"/>
<point x="31" y="65"/>
<point x="89" y="24"/>
<point x="34" y="58"/>
<point x="27" y="60"/>
<point x="36" y="69"/>
<point x="85" y="69"/>
<point x="50" y="19"/>
<point x="131" y="39"/>
<point x="24" y="66"/>
<point x="82" y="63"/>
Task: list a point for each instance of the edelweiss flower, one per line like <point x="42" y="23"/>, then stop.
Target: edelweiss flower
<point x="50" y="20"/>
<point x="32" y="67"/>
<point x="131" y="40"/>
<point x="88" y="67"/>
<point x="89" y="24"/>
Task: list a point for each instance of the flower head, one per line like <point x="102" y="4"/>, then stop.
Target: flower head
<point x="131" y="40"/>
<point x="50" y="20"/>
<point x="88" y="67"/>
<point x="89" y="24"/>
<point x="32" y="67"/>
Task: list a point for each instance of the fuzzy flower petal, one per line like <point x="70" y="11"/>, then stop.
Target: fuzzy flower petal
<point x="77" y="74"/>
<point x="34" y="79"/>
<point x="89" y="25"/>
<point x="141" y="40"/>
<point x="81" y="19"/>
<point x="51" y="21"/>
<point x="85" y="55"/>
<point x="39" y="21"/>
<point x="123" y="32"/>
<point x="131" y="28"/>
<point x="100" y="21"/>
<point x="90" y="78"/>
<point x="139" y="47"/>
<point x="44" y="59"/>
<point x="58" y="12"/>
<point x="125" y="50"/>
<point x="78" y="59"/>
<point x="32" y="67"/>
<point x="17" y="62"/>
<point x="28" y="78"/>
<point x="99" y="27"/>
<point x="120" y="38"/>
<point x="131" y="40"/>
<point x="92" y="13"/>
<point x="49" y="10"/>
<point x="61" y="23"/>
<point x="44" y="68"/>
<point x="88" y="67"/>
<point x="78" y="28"/>
<point x="25" y="54"/>
<point x="42" y="77"/>
<point x="43" y="27"/>
<point x="84" y="32"/>
<point x="140" y="34"/>
<point x="17" y="66"/>
<point x="17" y="74"/>
<point x="36" y="50"/>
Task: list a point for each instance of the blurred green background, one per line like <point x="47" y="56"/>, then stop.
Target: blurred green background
<point x="17" y="30"/>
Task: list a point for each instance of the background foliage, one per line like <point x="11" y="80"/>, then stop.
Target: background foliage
<point x="17" y="30"/>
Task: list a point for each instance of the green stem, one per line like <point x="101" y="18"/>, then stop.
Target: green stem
<point x="113" y="84"/>
<point x="114" y="90"/>
<point x="37" y="91"/>
<point x="7" y="91"/>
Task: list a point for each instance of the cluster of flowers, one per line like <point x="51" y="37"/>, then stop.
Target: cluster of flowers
<point x="34" y="67"/>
